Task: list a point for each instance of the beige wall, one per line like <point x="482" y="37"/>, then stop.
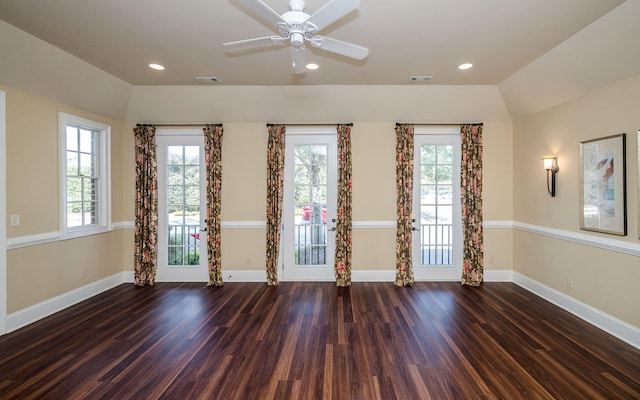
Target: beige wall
<point x="603" y="279"/>
<point x="374" y="195"/>
<point x="38" y="273"/>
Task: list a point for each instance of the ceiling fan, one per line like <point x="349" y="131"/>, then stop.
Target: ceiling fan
<point x="297" y="28"/>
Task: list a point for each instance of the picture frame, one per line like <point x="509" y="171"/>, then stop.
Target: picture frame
<point x="603" y="185"/>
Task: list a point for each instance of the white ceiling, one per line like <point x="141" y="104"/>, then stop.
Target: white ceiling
<point x="404" y="38"/>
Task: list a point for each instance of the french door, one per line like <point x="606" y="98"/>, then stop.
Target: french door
<point x="309" y="203"/>
<point x="437" y="220"/>
<point x="182" y="240"/>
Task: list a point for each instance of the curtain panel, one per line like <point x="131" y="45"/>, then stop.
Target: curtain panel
<point x="471" y="196"/>
<point x="275" y="187"/>
<point x="146" y="207"/>
<point x="344" y="214"/>
<point x="213" y="161"/>
<point x="404" y="192"/>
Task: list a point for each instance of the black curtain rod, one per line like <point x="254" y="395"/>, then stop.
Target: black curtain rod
<point x="178" y="125"/>
<point x="348" y="124"/>
<point x="434" y="124"/>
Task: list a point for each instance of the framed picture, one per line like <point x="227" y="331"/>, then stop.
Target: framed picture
<point x="603" y="186"/>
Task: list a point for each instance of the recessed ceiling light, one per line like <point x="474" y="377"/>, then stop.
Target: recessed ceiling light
<point x="157" y="67"/>
<point x="465" y="66"/>
<point x="312" y="66"/>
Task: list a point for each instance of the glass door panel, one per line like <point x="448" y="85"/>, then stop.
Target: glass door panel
<point x="182" y="239"/>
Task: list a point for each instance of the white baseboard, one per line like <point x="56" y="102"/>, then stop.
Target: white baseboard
<point x="41" y="310"/>
<point x="610" y="324"/>
<point x="498" y="275"/>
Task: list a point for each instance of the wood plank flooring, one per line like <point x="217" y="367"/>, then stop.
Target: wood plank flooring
<point x="316" y="341"/>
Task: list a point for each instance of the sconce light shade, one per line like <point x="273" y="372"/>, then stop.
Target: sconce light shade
<point x="550" y="162"/>
<point x="551" y="165"/>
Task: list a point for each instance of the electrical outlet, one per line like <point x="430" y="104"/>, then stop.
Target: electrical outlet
<point x="14" y="220"/>
<point x="570" y="283"/>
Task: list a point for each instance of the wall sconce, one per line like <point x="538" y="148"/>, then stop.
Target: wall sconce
<point x="551" y="165"/>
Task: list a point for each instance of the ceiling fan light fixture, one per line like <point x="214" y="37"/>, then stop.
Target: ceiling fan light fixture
<point x="297" y="39"/>
<point x="297" y="27"/>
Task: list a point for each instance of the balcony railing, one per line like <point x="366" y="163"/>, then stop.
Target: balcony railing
<point x="184" y="245"/>
<point x="310" y="244"/>
<point x="436" y="245"/>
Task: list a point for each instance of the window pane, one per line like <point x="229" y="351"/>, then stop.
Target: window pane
<point x="428" y="214"/>
<point x="72" y="163"/>
<point x="86" y="141"/>
<point x="192" y="195"/>
<point x="74" y="214"/>
<point x="192" y="175"/>
<point x="445" y="215"/>
<point x="445" y="194"/>
<point x="302" y="175"/>
<point x="175" y="156"/>
<point x="302" y="194"/>
<point x="427" y="174"/>
<point x="74" y="189"/>
<point x="175" y="255"/>
<point x="445" y="174"/>
<point x="175" y="175"/>
<point x="175" y="195"/>
<point x="86" y="165"/>
<point x="428" y="154"/>
<point x="445" y="154"/>
<point x="192" y="155"/>
<point x="72" y="138"/>
<point x="427" y="194"/>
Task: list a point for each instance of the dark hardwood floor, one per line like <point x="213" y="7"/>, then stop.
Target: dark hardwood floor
<point x="316" y="341"/>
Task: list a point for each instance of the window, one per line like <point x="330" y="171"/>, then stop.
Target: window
<point x="84" y="148"/>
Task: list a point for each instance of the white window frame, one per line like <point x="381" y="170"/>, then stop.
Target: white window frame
<point x="104" y="178"/>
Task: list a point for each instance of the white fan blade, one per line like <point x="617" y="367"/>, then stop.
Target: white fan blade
<point x="331" y="12"/>
<point x="253" y="43"/>
<point x="298" y="60"/>
<point x="262" y="10"/>
<point x="340" y="47"/>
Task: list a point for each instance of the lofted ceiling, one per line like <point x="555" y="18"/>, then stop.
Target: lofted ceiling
<point x="404" y="38"/>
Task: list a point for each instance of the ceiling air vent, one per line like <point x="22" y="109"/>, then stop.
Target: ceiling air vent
<point x="207" y="79"/>
<point x="421" y="78"/>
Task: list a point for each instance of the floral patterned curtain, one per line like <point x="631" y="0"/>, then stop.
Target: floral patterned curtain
<point x="213" y="161"/>
<point x="404" y="192"/>
<point x="344" y="218"/>
<point x="275" y="186"/>
<point x="471" y="197"/>
<point x="146" y="206"/>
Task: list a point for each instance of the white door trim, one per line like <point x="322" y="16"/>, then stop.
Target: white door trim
<point x="167" y="137"/>
<point x="3" y="214"/>
<point x="288" y="272"/>
<point x="438" y="135"/>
